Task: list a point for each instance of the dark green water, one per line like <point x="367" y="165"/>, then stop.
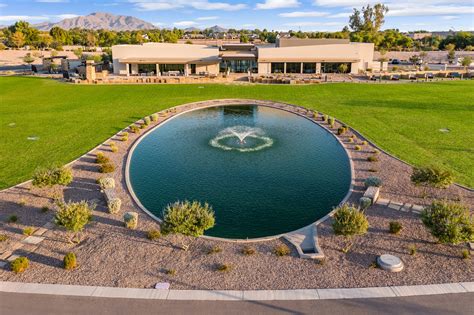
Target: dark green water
<point x="297" y="178"/>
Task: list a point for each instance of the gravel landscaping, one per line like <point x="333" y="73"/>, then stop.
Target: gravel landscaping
<point x="111" y="255"/>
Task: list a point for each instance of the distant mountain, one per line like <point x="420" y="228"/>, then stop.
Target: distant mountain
<point x="217" y="29"/>
<point x="191" y="29"/>
<point x="99" y="20"/>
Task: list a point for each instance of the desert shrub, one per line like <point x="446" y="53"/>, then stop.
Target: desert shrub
<point x="13" y="218"/>
<point x="450" y="223"/>
<point x="153" y="234"/>
<point x="341" y="130"/>
<point x="372" y="158"/>
<point x="324" y="118"/>
<point x="146" y="121"/>
<point x="73" y="216"/>
<point x="134" y="129"/>
<point x="106" y="183"/>
<point x="331" y="121"/>
<point x="70" y="261"/>
<point x="28" y="231"/>
<point x="154" y="117"/>
<point x="223" y="267"/>
<point x="365" y="202"/>
<point x="22" y="202"/>
<point x="114" y="205"/>
<point x="106" y="168"/>
<point x="281" y="250"/>
<point x="412" y="250"/>
<point x="395" y="227"/>
<point x="248" y="250"/>
<point x="465" y="254"/>
<point x="44" y="209"/>
<point x="432" y="176"/>
<point x="372" y="181"/>
<point x="349" y="222"/>
<point x="364" y="142"/>
<point x="100" y="158"/>
<point x="3" y="237"/>
<point x="357" y="148"/>
<point x="189" y="219"/>
<point x="20" y="264"/>
<point x="351" y="140"/>
<point x="54" y="175"/>
<point x="124" y="136"/>
<point x="130" y="219"/>
<point x="214" y="250"/>
<point x="113" y="147"/>
<point x="170" y="272"/>
<point x="376" y="151"/>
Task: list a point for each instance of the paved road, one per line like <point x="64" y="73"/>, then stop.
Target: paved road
<point x="19" y="303"/>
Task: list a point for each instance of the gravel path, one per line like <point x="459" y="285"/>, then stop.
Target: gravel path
<point x="111" y="255"/>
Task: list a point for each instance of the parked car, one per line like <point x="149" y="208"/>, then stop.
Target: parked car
<point x="454" y="75"/>
<point x="396" y="62"/>
<point x="395" y="77"/>
<point x="429" y="75"/>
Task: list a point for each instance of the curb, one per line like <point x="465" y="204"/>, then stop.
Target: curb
<point x="236" y="295"/>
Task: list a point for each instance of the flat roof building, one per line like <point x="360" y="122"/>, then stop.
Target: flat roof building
<point x="303" y="56"/>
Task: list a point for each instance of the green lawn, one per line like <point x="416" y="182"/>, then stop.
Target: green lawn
<point x="69" y="119"/>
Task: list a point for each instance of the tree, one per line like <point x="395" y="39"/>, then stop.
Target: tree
<point x="415" y="59"/>
<point x="451" y="53"/>
<point x="45" y="40"/>
<point x="343" y="68"/>
<point x="91" y="40"/>
<point x="28" y="59"/>
<point x="189" y="219"/>
<point x="432" y="177"/>
<point x="244" y="38"/>
<point x="60" y="35"/>
<point x="73" y="216"/>
<point x="371" y="20"/>
<point x="450" y="223"/>
<point x="18" y="39"/>
<point x="349" y="221"/>
<point x="78" y="53"/>
<point x="466" y="62"/>
<point x="382" y="58"/>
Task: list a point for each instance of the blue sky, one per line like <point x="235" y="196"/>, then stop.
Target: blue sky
<point x="314" y="15"/>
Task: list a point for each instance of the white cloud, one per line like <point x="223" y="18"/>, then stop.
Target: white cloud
<point x="14" y="18"/>
<point x="52" y="1"/>
<point x="184" y="23"/>
<point x="340" y="15"/>
<point x="450" y="17"/>
<point x="157" y="23"/>
<point x="207" y="18"/>
<point x="248" y="25"/>
<point x="65" y="16"/>
<point x="300" y="14"/>
<point x="426" y="10"/>
<point x="2" y="5"/>
<point x="277" y="4"/>
<point x="155" y="5"/>
<point x="302" y="24"/>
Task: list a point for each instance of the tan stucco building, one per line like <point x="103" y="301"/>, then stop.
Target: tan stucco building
<point x="303" y="56"/>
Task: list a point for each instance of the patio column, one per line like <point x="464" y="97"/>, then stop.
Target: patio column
<point x="186" y="69"/>
<point x="318" y="67"/>
<point x="157" y="69"/>
<point x="284" y="67"/>
<point x="301" y="68"/>
<point x="127" y="69"/>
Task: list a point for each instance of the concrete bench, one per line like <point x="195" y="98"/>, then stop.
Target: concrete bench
<point x="373" y="193"/>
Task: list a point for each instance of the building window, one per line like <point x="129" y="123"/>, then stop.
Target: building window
<point x="335" y="67"/>
<point x="238" y="66"/>
<point x="293" y="67"/>
<point x="172" y="67"/>
<point x="278" y="67"/>
<point x="309" y="67"/>
<point x="147" y="68"/>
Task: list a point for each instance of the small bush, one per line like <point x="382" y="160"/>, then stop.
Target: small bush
<point x="106" y="183"/>
<point x="70" y="261"/>
<point x="13" y="218"/>
<point x="73" y="216"/>
<point x="432" y="176"/>
<point x="281" y="250"/>
<point x="153" y="234"/>
<point x="114" y="205"/>
<point x="106" y="168"/>
<point x="20" y="264"/>
<point x="142" y="126"/>
<point x="324" y="118"/>
<point x="376" y="152"/>
<point x="214" y="250"/>
<point x="395" y="227"/>
<point x="28" y="231"/>
<point x="357" y="148"/>
<point x="364" y="142"/>
<point x="351" y="140"/>
<point x="372" y="181"/>
<point x="134" y="129"/>
<point x="341" y="130"/>
<point x="44" y="209"/>
<point x="100" y="158"/>
<point x="170" y="272"/>
<point x="331" y="121"/>
<point x="372" y="158"/>
<point x="22" y="202"/>
<point x="124" y="136"/>
<point x="113" y="147"/>
<point x="154" y="117"/>
<point x="146" y="121"/>
<point x="365" y="202"/>
<point x="223" y="268"/>
<point x="130" y="220"/>
<point x="248" y="250"/>
<point x="54" y="175"/>
<point x="465" y="254"/>
<point x="412" y="250"/>
<point x="3" y="237"/>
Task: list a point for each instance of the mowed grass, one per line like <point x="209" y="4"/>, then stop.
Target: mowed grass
<point x="69" y="120"/>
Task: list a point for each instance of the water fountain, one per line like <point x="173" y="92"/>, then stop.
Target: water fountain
<point x="225" y="139"/>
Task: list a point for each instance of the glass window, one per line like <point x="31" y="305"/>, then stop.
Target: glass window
<point x="336" y="67"/>
<point x="238" y="66"/>
<point x="278" y="67"/>
<point x="172" y="67"/>
<point x="293" y="67"/>
<point x="147" y="68"/>
<point x="309" y="67"/>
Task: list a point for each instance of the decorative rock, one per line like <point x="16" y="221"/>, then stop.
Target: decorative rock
<point x="471" y="245"/>
<point x="373" y="193"/>
<point x="33" y="240"/>
<point x="390" y="263"/>
<point x="162" y="286"/>
<point x="131" y="220"/>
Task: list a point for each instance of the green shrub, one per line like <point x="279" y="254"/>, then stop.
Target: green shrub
<point x="281" y="250"/>
<point x="54" y="175"/>
<point x="20" y="264"/>
<point x="22" y="202"/>
<point x="331" y="121"/>
<point x="101" y="158"/>
<point x="248" y="250"/>
<point x="372" y="158"/>
<point x="365" y="202"/>
<point x="170" y="272"/>
<point x="124" y="136"/>
<point x="372" y="181"/>
<point x="351" y="140"/>
<point x="106" y="168"/>
<point x="412" y="250"/>
<point x="154" y="117"/>
<point x="341" y="130"/>
<point x="395" y="227"/>
<point x="357" y="148"/>
<point x="432" y="176"/>
<point x="142" y="126"/>
<point x="364" y="142"/>
<point x="106" y="183"/>
<point x="13" y="218"/>
<point x="73" y="216"/>
<point x="134" y="129"/>
<point x="349" y="222"/>
<point x="465" y="254"/>
<point x="214" y="250"/>
<point x="223" y="267"/>
<point x="153" y="234"/>
<point x="3" y="237"/>
<point x="324" y="118"/>
<point x="28" y="231"/>
<point x="450" y="223"/>
<point x="114" y="205"/>
<point x="146" y="121"/>
<point x="130" y="219"/>
<point x="44" y="209"/>
<point x="70" y="261"/>
<point x="113" y="147"/>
